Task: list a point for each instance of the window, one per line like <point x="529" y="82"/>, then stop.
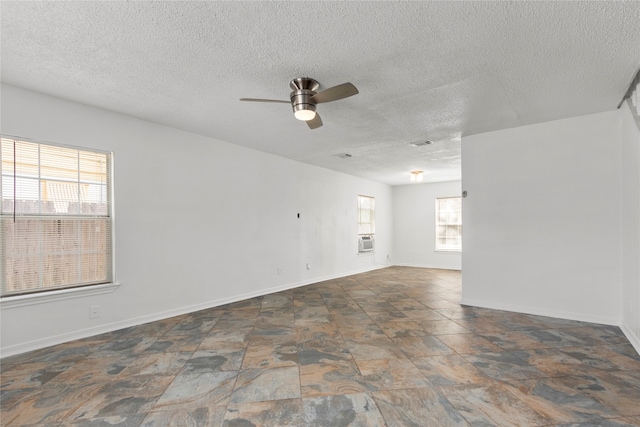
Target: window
<point x="366" y="215"/>
<point x="449" y="224"/>
<point x="55" y="217"/>
<point x="366" y="224"/>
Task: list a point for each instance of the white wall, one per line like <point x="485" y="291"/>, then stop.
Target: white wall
<point x="630" y="211"/>
<point x="193" y="229"/>
<point x="542" y="219"/>
<point x="414" y="225"/>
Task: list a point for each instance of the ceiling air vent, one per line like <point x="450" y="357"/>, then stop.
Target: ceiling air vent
<point x="421" y="143"/>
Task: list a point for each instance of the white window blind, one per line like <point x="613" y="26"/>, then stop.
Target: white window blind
<point x="449" y="224"/>
<point x="366" y="215"/>
<point x="55" y="218"/>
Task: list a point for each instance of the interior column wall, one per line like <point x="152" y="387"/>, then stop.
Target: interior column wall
<point x="542" y="219"/>
<point x="630" y="224"/>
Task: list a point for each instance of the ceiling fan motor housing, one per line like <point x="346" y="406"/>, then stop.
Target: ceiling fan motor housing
<point x="301" y="100"/>
<point x="303" y="89"/>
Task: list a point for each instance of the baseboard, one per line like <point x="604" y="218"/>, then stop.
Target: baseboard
<point x="633" y="338"/>
<point x="437" y="267"/>
<point x="109" y="327"/>
<point x="560" y="314"/>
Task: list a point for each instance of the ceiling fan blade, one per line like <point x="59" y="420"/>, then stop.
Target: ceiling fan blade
<point x="264" y="100"/>
<point x="335" y="93"/>
<point x="316" y="122"/>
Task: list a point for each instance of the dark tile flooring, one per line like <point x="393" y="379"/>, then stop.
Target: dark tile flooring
<point x="390" y="347"/>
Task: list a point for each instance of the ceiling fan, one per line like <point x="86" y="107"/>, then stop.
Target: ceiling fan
<point x="304" y="98"/>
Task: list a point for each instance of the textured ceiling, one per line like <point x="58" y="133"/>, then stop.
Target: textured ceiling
<point x="425" y="70"/>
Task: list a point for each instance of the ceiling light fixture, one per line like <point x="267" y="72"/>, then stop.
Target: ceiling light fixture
<point x="305" y="114"/>
<point x="417" y="176"/>
<point x="304" y="98"/>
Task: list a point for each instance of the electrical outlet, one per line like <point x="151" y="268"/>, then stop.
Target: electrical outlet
<point x="279" y="271"/>
<point x="94" y="312"/>
<point x="308" y="266"/>
<point x="388" y="258"/>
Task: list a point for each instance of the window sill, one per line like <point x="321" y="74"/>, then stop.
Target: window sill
<point x="59" y="295"/>
<point x="448" y="252"/>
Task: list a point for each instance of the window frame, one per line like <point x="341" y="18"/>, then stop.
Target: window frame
<point x="372" y="215"/>
<point x="438" y="224"/>
<point x="62" y="292"/>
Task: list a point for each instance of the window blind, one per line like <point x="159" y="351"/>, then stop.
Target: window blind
<point x="55" y="217"/>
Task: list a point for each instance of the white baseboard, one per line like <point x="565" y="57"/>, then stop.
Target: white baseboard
<point x="633" y="338"/>
<point x="438" y="267"/>
<point x="581" y="317"/>
<point x="109" y="327"/>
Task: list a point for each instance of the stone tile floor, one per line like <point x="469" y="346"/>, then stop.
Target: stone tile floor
<point x="390" y="347"/>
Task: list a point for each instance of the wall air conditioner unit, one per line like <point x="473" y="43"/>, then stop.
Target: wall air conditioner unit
<point x="365" y="244"/>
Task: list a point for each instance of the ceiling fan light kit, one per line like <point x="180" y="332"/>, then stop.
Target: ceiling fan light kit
<point x="304" y="114"/>
<point x="304" y="98"/>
